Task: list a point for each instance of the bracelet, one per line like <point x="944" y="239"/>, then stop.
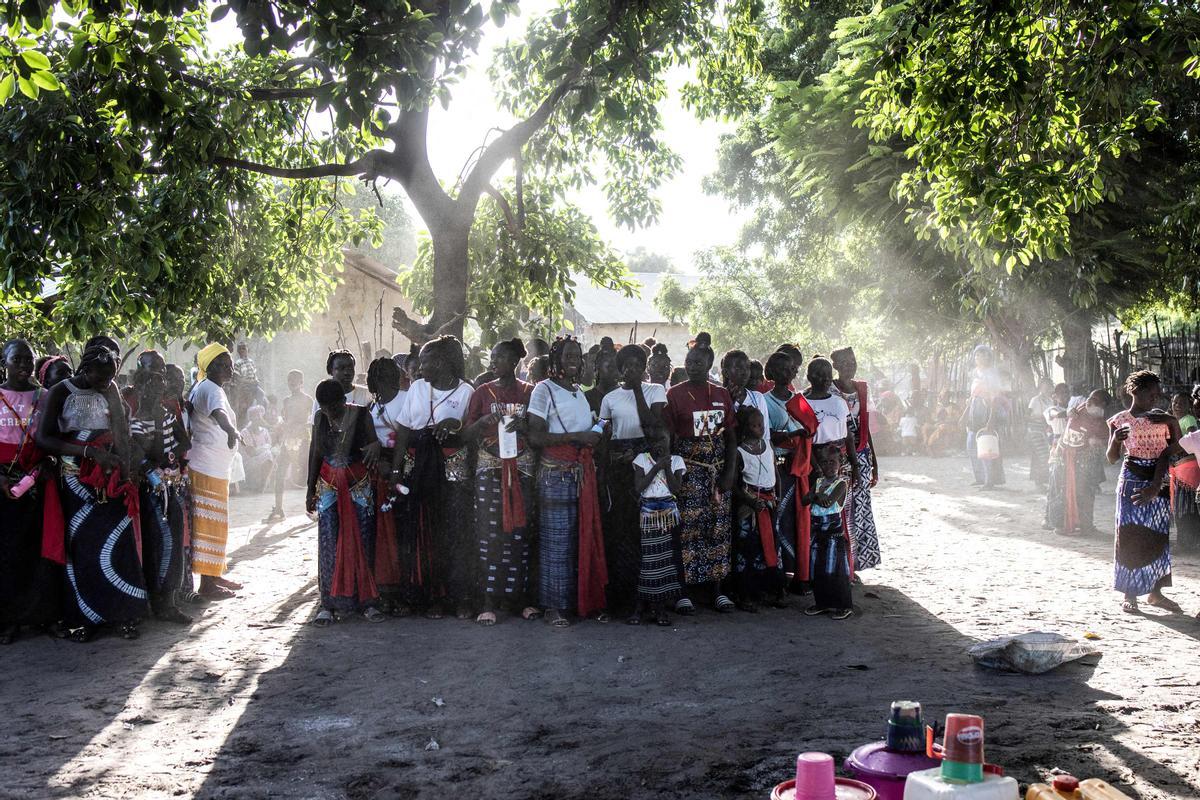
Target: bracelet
<point x="85" y="449"/>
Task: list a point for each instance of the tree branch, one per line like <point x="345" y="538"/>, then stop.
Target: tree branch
<point x="366" y="167"/>
<point x="409" y="164"/>
<point x="513" y="227"/>
<point x="260" y="94"/>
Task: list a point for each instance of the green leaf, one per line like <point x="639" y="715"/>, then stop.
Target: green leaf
<point x="35" y="60"/>
<point x="6" y="88"/>
<point x="46" y="80"/>
<point x="28" y="88"/>
<point x="615" y="109"/>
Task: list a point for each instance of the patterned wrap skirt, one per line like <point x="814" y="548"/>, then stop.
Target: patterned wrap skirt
<point x="1143" y="547"/>
<point x="751" y="574"/>
<point x="705" y="530"/>
<point x="163" y="559"/>
<point x="661" y="568"/>
<point x="558" y="531"/>
<point x="829" y="563"/>
<point x="621" y="521"/>
<point x="328" y="531"/>
<point x="503" y="557"/>
<point x="861" y="516"/>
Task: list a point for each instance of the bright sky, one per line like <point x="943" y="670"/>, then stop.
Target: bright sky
<point x="690" y="220"/>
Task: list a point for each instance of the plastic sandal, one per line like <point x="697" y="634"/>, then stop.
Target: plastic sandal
<point x="373" y="614"/>
<point x="324" y="618"/>
<point x="487" y="619"/>
<point x="724" y="604"/>
<point x="843" y="613"/>
<point x="684" y="607"/>
<point x="815" y="611"/>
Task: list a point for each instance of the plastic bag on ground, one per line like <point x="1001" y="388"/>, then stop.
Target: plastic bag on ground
<point x="1032" y="653"/>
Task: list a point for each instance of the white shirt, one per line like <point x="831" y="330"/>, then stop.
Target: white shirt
<point x="658" y="484"/>
<point x="210" y="453"/>
<point x="758" y="469"/>
<point x="386" y="418"/>
<point x="1056" y="418"/>
<point x="908" y="427"/>
<point x="425" y="406"/>
<point x="1190" y="442"/>
<point x="832" y="417"/>
<point x="620" y="406"/>
<point x="563" y="410"/>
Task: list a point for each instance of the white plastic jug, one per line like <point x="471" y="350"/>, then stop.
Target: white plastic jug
<point x="929" y="785"/>
<point x="987" y="446"/>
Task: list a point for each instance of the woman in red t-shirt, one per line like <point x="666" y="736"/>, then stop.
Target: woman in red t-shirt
<point x="700" y="416"/>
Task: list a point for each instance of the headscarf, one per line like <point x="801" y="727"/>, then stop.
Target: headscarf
<point x="206" y="357"/>
<point x="47" y="364"/>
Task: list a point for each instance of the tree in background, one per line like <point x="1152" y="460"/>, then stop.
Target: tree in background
<point x="156" y="103"/>
<point x="639" y="259"/>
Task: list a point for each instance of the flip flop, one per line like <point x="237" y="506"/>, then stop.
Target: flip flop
<point x="323" y="619"/>
<point x="684" y="607"/>
<point x="556" y="620"/>
<point x="843" y="613"/>
<point x="216" y="593"/>
<point x="815" y="611"/>
<point x="724" y="605"/>
<point x="487" y="619"/>
<point x="530" y="612"/>
<point x="373" y="614"/>
<point x="1130" y="607"/>
<point x="1166" y="604"/>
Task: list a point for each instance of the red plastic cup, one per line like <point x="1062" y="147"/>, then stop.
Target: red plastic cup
<point x="964" y="739"/>
<point x="815" y="777"/>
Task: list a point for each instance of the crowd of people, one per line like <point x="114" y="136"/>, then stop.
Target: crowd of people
<point x="561" y="483"/>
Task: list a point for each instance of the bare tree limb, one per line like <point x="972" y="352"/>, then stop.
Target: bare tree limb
<point x="505" y="208"/>
<point x="259" y="94"/>
<point x="365" y="167"/>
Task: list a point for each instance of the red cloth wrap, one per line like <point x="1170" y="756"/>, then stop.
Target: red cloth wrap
<point x="864" y="416"/>
<point x="766" y="528"/>
<point x="593" y="571"/>
<point x="351" y="572"/>
<point x="387" y="552"/>
<point x="54" y="527"/>
<point x="93" y="475"/>
<point x="512" y="503"/>
<point x="799" y="409"/>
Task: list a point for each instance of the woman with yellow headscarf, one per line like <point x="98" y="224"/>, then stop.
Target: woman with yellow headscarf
<point x="214" y="443"/>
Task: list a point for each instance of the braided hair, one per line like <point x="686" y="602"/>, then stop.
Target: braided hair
<point x="333" y="356"/>
<point x="449" y="348"/>
<point x="98" y="355"/>
<point x="514" y="346"/>
<point x="554" y="367"/>
<point x="703" y="344"/>
<point x="1140" y="381"/>
<point x="380" y="372"/>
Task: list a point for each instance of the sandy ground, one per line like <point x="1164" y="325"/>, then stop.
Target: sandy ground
<point x="251" y="702"/>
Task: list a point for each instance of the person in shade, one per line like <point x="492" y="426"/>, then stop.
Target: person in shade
<point x="787" y="436"/>
<point x="344" y="447"/>
<point x="391" y="532"/>
<point x="573" y="572"/>
<point x="31" y="546"/>
<point x="105" y="581"/>
<point x="700" y="416"/>
<point x="860" y="514"/>
<point x="504" y="494"/>
<point x="607" y="377"/>
<point x="659" y="365"/>
<point x="633" y="412"/>
<point x="829" y="552"/>
<point x="440" y="505"/>
<point x="1143" y="548"/>
<point x="658" y="477"/>
<point x="159" y="439"/>
<point x="1071" y="493"/>
<point x="214" y="444"/>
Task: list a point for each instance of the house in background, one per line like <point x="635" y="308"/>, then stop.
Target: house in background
<point x="598" y="312"/>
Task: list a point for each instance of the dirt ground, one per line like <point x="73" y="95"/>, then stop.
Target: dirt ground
<point x="253" y="703"/>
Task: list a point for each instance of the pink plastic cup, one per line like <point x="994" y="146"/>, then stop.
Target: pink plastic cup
<point x="815" y="777"/>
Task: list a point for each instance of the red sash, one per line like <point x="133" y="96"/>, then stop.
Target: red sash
<point x="766" y="529"/>
<point x="54" y="527"/>
<point x="864" y="417"/>
<point x="802" y="412"/>
<point x="351" y="573"/>
<point x="91" y="474"/>
<point x="512" y="503"/>
<point x="387" y="552"/>
<point x="593" y="571"/>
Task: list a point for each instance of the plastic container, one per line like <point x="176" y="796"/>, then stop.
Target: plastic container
<point x="844" y="789"/>
<point x="962" y="749"/>
<point x="930" y="785"/>
<point x="987" y="446"/>
<point x="884" y="765"/>
<point x="1067" y="787"/>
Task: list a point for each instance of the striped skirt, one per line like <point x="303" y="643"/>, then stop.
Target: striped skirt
<point x="1143" y="549"/>
<point x="829" y="562"/>
<point x="558" y="528"/>
<point x="660" y="568"/>
<point x="210" y="523"/>
<point x="503" y="557"/>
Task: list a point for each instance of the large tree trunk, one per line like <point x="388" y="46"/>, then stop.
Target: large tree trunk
<point x="451" y="274"/>
<point x="1079" y="362"/>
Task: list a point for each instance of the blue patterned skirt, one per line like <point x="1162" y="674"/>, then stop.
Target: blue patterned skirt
<point x="1143" y="548"/>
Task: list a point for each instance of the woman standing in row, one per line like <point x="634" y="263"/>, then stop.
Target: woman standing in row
<point x="104" y="567"/>
<point x="441" y="491"/>
<point x="503" y="483"/>
<point x="792" y="424"/>
<point x="573" y="569"/>
<point x="634" y="410"/>
<point x="860" y="516"/>
<point x="383" y="382"/>
<point x="31" y="545"/>
<point x="700" y="416"/>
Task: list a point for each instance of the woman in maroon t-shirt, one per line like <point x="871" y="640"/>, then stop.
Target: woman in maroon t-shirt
<point x="700" y="415"/>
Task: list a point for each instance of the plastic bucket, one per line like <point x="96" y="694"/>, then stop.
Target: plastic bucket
<point x="847" y="789"/>
<point x="987" y="446"/>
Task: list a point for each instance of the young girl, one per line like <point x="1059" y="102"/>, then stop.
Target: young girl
<point x="756" y="556"/>
<point x="658" y="476"/>
<point x="829" y="562"/>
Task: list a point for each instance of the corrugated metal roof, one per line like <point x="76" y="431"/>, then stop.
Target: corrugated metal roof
<point x="601" y="306"/>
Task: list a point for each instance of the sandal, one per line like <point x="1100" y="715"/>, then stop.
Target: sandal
<point x="216" y="593"/>
<point x="463" y="612"/>
<point x="225" y="583"/>
<point x="602" y="617"/>
<point x="723" y="604"/>
<point x="843" y="613"/>
<point x="82" y="635"/>
<point x="1166" y="604"/>
<point x="531" y="612"/>
<point x="556" y="619"/>
<point x="129" y="631"/>
<point x="193" y="597"/>
<point x="1130" y="607"/>
<point x="323" y="619"/>
<point x="662" y="619"/>
<point x="487" y="619"/>
<point x="684" y="607"/>
<point x="634" y="619"/>
<point x="373" y="614"/>
<point x="400" y="610"/>
<point x="434" y="612"/>
<point x="815" y="611"/>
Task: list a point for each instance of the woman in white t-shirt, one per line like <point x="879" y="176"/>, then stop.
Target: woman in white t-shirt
<point x="383" y="382"/>
<point x="633" y="411"/>
<point x="571" y="545"/>
<point x="440" y="506"/>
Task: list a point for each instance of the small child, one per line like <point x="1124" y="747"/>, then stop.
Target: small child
<point x="658" y="476"/>
<point x="756" y="558"/>
<point x="829" y="553"/>
<point x="910" y="434"/>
